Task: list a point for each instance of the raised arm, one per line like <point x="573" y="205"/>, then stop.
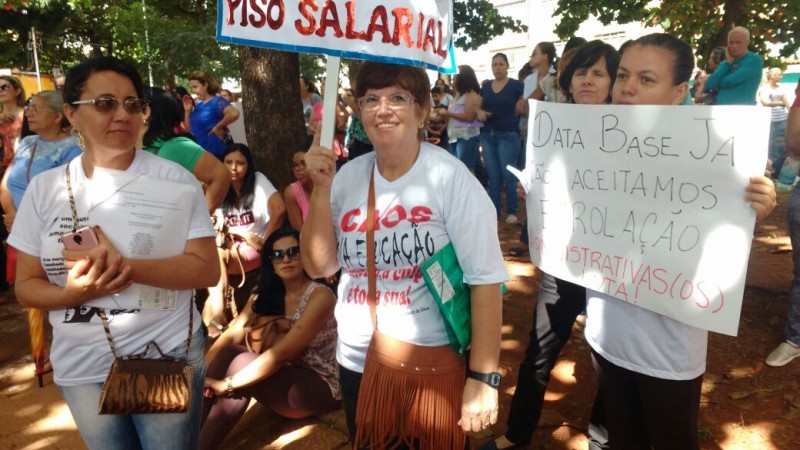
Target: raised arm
<point x="216" y="178"/>
<point x="318" y="237"/>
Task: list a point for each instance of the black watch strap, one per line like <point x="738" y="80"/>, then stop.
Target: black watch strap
<point x="491" y="378"/>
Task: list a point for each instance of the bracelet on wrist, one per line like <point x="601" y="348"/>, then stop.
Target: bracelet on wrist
<point x="229" y="386"/>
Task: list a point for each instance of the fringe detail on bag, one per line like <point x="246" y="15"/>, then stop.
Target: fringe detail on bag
<point x="396" y="407"/>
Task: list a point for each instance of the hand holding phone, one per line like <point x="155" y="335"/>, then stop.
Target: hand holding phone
<point x="80" y="239"/>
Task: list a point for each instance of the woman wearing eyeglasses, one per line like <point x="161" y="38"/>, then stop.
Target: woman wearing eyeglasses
<point x="251" y="211"/>
<point x="103" y="102"/>
<point x="424" y="199"/>
<point x="281" y="349"/>
<point x="12" y="102"/>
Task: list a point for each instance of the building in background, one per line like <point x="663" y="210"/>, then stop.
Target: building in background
<point x="538" y="16"/>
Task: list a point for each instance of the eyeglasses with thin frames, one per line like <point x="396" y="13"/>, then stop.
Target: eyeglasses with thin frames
<point x="31" y="108"/>
<point x="108" y="104"/>
<point x="278" y="255"/>
<point x="398" y="100"/>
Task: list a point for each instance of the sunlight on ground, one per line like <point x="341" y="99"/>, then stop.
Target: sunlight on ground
<point x="564" y="374"/>
<point x="292" y="436"/>
<point x="740" y="436"/>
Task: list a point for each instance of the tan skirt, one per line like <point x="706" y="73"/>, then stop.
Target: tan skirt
<point x="410" y="394"/>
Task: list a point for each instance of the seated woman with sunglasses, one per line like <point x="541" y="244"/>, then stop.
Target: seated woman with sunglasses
<point x="80" y="288"/>
<point x="281" y="349"/>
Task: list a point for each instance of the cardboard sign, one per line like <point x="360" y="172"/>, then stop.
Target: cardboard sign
<point x="647" y="203"/>
<point x="410" y="32"/>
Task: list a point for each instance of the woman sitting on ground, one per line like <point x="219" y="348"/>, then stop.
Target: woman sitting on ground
<point x="281" y="349"/>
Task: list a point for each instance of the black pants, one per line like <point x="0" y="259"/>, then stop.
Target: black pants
<point x="645" y="412"/>
<point x="558" y="304"/>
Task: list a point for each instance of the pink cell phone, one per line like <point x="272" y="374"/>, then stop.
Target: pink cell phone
<point x="81" y="239"/>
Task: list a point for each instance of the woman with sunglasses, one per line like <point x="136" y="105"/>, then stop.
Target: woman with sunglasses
<point x="424" y="199"/>
<point x="82" y="289"/>
<point x="650" y="367"/>
<point x="251" y="210"/>
<point x="281" y="349"/>
<point x="12" y="102"/>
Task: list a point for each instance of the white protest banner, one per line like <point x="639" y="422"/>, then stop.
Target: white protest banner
<point x="409" y="32"/>
<point x="647" y="203"/>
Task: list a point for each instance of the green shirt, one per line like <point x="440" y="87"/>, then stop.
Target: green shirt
<point x="181" y="150"/>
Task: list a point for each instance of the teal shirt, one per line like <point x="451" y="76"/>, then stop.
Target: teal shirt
<point x="737" y="83"/>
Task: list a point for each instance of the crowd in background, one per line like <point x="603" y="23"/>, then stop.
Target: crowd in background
<point x="274" y="306"/>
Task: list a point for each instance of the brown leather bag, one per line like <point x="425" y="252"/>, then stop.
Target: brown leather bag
<point x="139" y="385"/>
<point x="409" y="393"/>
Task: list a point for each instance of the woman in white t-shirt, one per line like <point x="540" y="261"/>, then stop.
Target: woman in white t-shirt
<point x="424" y="199"/>
<point x="650" y="367"/>
<point x="83" y="288"/>
<point x="250" y="212"/>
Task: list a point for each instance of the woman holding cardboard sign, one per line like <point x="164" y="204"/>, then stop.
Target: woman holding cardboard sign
<point x="650" y="367"/>
<point x="401" y="205"/>
<point x="586" y="80"/>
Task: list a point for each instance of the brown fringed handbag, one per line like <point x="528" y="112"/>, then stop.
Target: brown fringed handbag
<point x="409" y="393"/>
<point x="138" y="385"/>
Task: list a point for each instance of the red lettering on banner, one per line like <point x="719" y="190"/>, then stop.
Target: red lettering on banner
<point x="349" y="31"/>
<point x="329" y="18"/>
<point x="408" y="30"/>
<point x="441" y="49"/>
<point x="430" y="37"/>
<point x="259" y="21"/>
<point x="403" y="19"/>
<point x="304" y="11"/>
<point x="374" y="26"/>
<point x="232" y="5"/>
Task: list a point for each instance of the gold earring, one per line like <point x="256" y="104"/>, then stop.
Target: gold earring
<point x="81" y="143"/>
<point x="145" y="122"/>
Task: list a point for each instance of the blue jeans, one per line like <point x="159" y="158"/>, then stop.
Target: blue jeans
<point x="501" y="149"/>
<point x="141" y="431"/>
<point x="468" y="150"/>
<point x="793" y="325"/>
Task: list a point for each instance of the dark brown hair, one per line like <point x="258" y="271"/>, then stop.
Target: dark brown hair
<point x="207" y="79"/>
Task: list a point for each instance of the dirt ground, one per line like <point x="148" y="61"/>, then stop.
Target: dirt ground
<point x="745" y="404"/>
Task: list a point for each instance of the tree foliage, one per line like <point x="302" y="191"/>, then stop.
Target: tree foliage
<point x="704" y="24"/>
<point x="181" y="35"/>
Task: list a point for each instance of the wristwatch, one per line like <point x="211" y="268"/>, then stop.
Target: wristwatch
<point x="491" y="378"/>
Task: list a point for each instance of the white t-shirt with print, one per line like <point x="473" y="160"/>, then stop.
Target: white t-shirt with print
<point x="437" y="201"/>
<point x="256" y="218"/>
<point x="80" y="352"/>
<point x="642" y="341"/>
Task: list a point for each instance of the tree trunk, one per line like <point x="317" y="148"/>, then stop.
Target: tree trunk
<point x="273" y="115"/>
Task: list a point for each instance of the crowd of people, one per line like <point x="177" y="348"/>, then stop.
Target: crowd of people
<point x="307" y="298"/>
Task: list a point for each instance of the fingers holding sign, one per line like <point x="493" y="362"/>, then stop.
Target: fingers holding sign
<point x="320" y="163"/>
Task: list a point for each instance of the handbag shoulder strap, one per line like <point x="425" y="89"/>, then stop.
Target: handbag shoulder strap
<point x="371" y="251"/>
<point x="102" y="313"/>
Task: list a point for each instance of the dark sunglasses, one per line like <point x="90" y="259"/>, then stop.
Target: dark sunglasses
<point x="291" y="252"/>
<point x="107" y="104"/>
<point x="5" y="87"/>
